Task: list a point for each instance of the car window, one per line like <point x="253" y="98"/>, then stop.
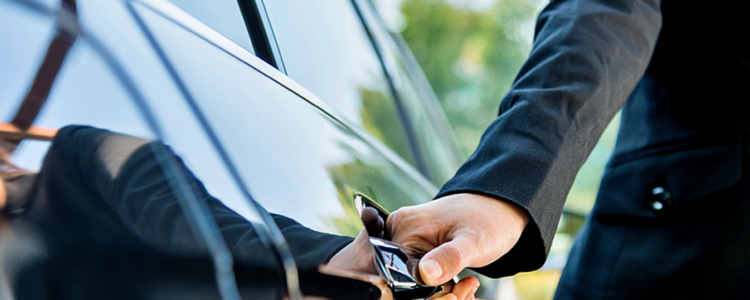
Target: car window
<point x="224" y="16"/>
<point x="326" y="49"/>
<point x="436" y="143"/>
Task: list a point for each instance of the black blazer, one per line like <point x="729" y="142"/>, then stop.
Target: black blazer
<point x="678" y="70"/>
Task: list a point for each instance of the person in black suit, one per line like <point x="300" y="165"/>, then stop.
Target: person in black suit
<point x="671" y="217"/>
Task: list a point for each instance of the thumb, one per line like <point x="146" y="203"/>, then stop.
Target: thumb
<point x="443" y="263"/>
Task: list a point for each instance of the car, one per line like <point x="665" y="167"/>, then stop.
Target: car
<point x="289" y="106"/>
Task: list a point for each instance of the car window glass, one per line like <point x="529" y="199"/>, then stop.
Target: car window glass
<point x="224" y="16"/>
<point x="325" y="48"/>
<point x="436" y="143"/>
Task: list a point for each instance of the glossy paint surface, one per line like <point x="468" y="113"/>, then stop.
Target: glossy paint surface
<point x="296" y="159"/>
<point x="326" y="48"/>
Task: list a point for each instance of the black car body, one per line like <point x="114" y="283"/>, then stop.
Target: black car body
<point x="300" y="104"/>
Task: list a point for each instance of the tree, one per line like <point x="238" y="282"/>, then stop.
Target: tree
<point x="470" y="56"/>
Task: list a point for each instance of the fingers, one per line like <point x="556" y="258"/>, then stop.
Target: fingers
<point x="406" y="222"/>
<point x="373" y="222"/>
<point x="444" y="262"/>
<point x="393" y="220"/>
<point x="413" y="228"/>
<point x="463" y="290"/>
<point x="3" y="195"/>
<point x="357" y="256"/>
<point x="444" y="296"/>
<point x="466" y="288"/>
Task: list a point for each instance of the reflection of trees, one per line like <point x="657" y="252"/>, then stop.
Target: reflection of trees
<point x="381" y="119"/>
<point x="375" y="178"/>
<point x="348" y="224"/>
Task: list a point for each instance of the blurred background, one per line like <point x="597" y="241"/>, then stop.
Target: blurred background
<point x="470" y="51"/>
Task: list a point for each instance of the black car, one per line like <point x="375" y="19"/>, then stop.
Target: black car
<point x="289" y="106"/>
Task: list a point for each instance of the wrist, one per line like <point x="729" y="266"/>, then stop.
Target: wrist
<point x="511" y="211"/>
<point x="497" y="223"/>
<point x="520" y="215"/>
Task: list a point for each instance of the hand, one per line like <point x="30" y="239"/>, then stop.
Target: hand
<point x="463" y="290"/>
<point x="3" y="195"/>
<point x="357" y="256"/>
<point x="457" y="231"/>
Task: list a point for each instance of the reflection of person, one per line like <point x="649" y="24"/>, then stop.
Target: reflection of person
<point x="671" y="212"/>
<point x="100" y="194"/>
<point x="90" y="172"/>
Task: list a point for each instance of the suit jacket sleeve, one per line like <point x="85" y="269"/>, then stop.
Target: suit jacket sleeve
<point x="587" y="57"/>
<point x="127" y="178"/>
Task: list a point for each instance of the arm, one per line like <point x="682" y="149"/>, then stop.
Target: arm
<point x="587" y="57"/>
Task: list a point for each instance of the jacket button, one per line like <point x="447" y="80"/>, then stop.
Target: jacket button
<point x="660" y="200"/>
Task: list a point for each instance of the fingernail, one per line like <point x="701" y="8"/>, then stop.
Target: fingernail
<point x="430" y="269"/>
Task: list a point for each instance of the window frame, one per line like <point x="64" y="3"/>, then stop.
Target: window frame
<point x="261" y="32"/>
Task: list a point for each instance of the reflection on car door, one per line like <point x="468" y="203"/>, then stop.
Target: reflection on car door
<point x="92" y="89"/>
<point x="326" y="48"/>
<point x="299" y="160"/>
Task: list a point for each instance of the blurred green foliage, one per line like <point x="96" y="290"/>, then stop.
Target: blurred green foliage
<point x="470" y="56"/>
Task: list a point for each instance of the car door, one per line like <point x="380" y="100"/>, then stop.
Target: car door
<point x="182" y="82"/>
<point x="298" y="158"/>
<point x="59" y="73"/>
<point x="365" y="102"/>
